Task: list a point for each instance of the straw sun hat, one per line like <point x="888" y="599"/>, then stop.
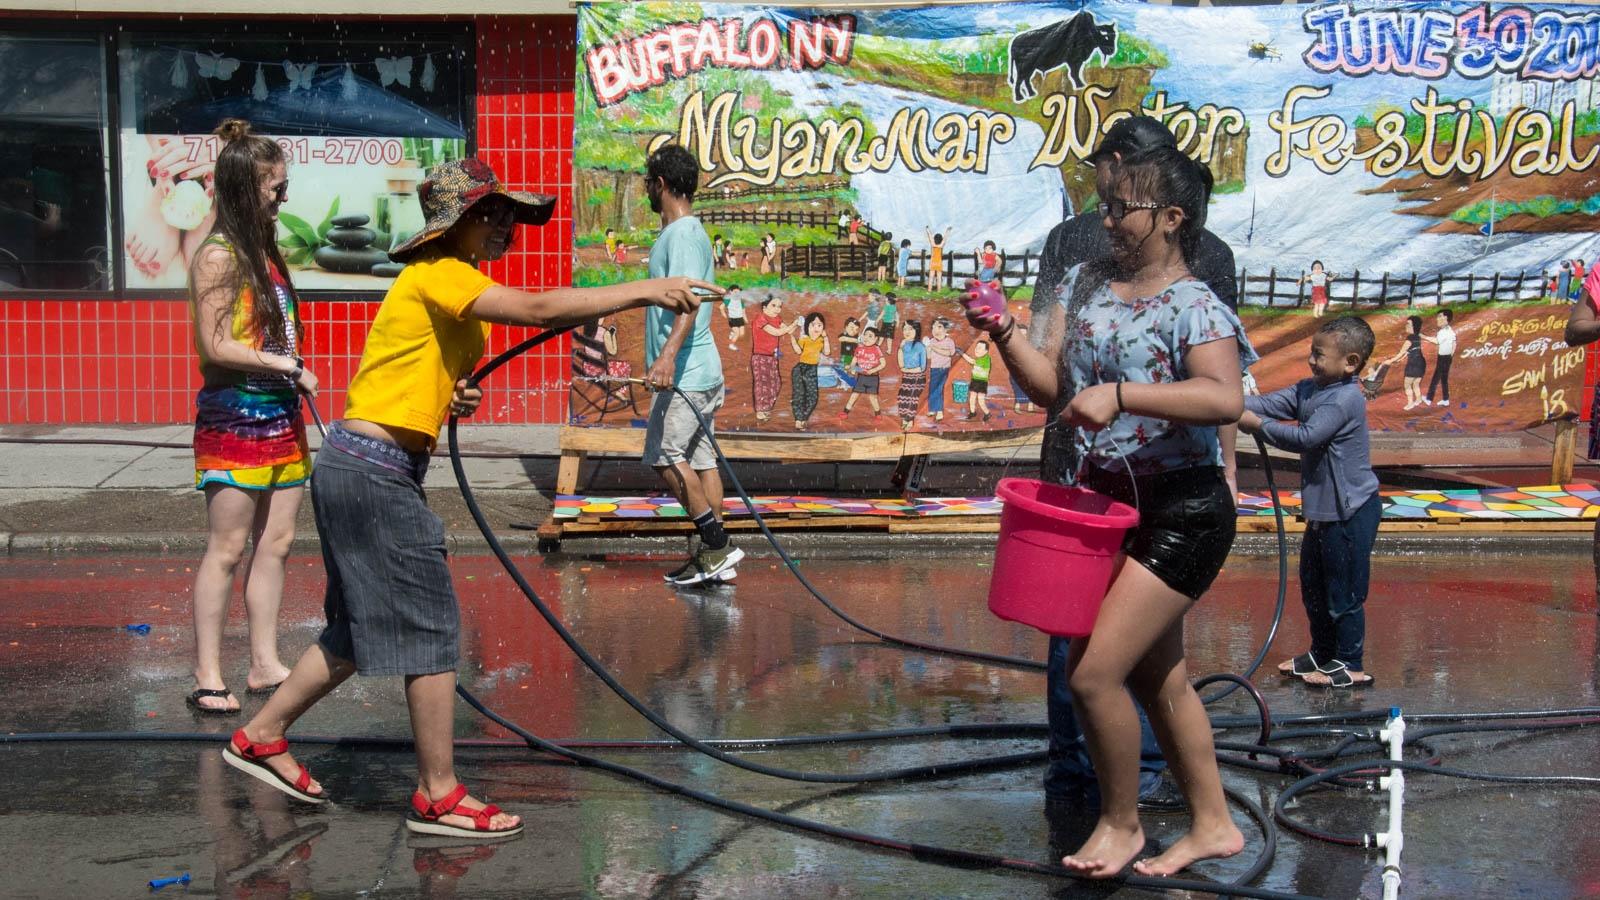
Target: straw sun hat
<point x="452" y="188"/>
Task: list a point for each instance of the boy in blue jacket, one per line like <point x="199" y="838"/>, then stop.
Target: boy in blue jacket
<point x="1327" y="425"/>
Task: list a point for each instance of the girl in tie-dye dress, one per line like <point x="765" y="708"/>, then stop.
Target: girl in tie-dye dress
<point x="249" y="432"/>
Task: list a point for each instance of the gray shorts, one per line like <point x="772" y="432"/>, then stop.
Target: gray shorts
<point x="390" y="606"/>
<point x="673" y="434"/>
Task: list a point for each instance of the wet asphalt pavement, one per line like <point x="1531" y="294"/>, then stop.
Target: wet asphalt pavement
<point x="1447" y="632"/>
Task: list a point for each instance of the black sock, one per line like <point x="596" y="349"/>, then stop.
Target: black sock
<point x="711" y="533"/>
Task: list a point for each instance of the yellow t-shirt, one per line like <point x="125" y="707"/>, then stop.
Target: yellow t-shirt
<point x="811" y="350"/>
<point x="420" y="344"/>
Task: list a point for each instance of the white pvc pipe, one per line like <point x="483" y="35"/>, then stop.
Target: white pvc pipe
<point x="1393" y="840"/>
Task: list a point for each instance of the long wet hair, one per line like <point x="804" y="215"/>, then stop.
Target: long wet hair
<point x="1166" y="175"/>
<point x="1162" y="175"/>
<point x="242" y="222"/>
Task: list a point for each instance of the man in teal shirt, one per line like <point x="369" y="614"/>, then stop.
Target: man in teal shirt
<point x="680" y="351"/>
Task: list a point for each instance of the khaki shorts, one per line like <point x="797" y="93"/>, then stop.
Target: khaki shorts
<point x="673" y="435"/>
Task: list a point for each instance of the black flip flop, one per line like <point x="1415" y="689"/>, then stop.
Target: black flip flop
<point x="267" y="691"/>
<point x="193" y="702"/>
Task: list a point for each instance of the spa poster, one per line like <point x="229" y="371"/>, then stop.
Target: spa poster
<point x="1426" y="156"/>
<point x="359" y="124"/>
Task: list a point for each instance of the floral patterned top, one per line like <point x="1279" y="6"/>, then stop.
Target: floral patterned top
<point x="1144" y="341"/>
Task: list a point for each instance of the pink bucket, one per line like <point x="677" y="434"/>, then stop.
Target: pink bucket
<point x="1057" y="548"/>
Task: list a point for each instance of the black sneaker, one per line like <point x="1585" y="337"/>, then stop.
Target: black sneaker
<point x="710" y="566"/>
<point x="1163" y="798"/>
<point x="679" y="572"/>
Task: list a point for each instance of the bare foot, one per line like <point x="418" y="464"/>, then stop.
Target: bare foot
<point x="1107" y="851"/>
<point x="284" y="763"/>
<point x="1191" y="848"/>
<point x="263" y="677"/>
<point x="1287" y="666"/>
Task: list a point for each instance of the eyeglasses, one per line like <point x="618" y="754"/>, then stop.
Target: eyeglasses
<point x="1116" y="207"/>
<point x="496" y="215"/>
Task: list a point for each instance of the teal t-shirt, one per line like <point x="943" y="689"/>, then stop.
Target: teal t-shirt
<point x="684" y="249"/>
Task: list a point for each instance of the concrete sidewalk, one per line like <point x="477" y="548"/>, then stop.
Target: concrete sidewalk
<point x="130" y="488"/>
<point x="70" y="488"/>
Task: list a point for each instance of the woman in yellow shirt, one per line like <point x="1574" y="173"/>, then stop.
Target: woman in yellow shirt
<point x="390" y="606"/>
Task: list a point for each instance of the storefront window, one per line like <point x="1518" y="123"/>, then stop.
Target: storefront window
<point x="54" y="227"/>
<point x="361" y="116"/>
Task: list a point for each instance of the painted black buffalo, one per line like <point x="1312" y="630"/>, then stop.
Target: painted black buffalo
<point x="1067" y="43"/>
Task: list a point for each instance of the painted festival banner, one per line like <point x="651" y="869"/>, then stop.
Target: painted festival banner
<point x="1428" y="166"/>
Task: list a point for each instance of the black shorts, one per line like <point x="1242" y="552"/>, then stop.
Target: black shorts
<point x="1187" y="521"/>
<point x="736" y="322"/>
<point x="978" y="387"/>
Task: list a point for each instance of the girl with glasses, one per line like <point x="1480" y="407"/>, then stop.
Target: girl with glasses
<point x="1150" y="365"/>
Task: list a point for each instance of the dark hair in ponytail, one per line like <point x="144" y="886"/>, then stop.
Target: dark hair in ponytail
<point x="1166" y="175"/>
<point x="242" y="222"/>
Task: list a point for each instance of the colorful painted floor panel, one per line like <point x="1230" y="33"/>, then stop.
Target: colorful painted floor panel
<point x="658" y="507"/>
<point x="1570" y="501"/>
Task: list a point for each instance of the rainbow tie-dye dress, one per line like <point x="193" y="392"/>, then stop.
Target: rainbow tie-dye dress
<point x="249" y="429"/>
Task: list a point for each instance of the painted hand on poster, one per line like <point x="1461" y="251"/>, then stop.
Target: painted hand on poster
<point x="174" y="212"/>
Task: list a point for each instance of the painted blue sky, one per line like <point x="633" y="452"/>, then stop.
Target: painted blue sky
<point x="1208" y="48"/>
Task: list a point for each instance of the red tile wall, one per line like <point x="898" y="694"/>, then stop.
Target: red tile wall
<point x="68" y="362"/>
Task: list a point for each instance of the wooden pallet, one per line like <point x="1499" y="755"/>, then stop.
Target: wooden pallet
<point x="576" y="443"/>
<point x="554" y="530"/>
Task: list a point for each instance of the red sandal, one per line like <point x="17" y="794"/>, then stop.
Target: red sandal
<point x="424" y="817"/>
<point x="247" y="755"/>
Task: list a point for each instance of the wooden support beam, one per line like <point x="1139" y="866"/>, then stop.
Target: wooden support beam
<point x="1562" y="451"/>
<point x="571" y="462"/>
